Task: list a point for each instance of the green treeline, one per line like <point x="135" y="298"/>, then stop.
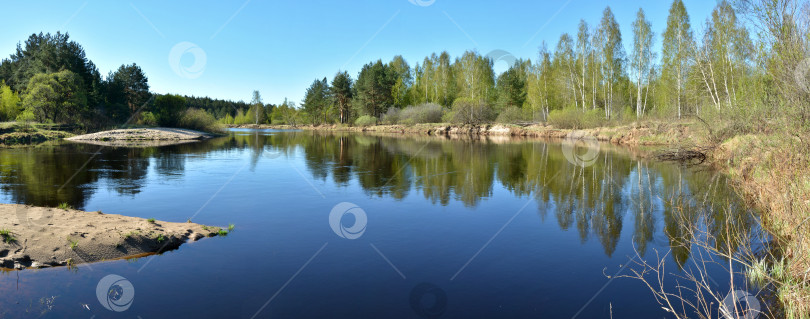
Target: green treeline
<point x="588" y="78"/>
<point x="49" y="79"/>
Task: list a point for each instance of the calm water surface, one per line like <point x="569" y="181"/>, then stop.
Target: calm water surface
<point x="453" y="228"/>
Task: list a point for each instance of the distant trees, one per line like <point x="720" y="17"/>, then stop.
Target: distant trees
<point x="341" y="92"/>
<point x="317" y="103"/>
<point x="131" y="86"/>
<point x="373" y="89"/>
<point x="256" y="113"/>
<point x="583" y="76"/>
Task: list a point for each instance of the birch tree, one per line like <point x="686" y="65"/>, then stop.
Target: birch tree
<point x="642" y="55"/>
<point x="678" y="45"/>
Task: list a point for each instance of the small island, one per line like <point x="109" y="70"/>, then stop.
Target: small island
<point x="38" y="237"/>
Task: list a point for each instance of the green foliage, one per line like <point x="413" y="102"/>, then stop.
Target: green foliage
<point x="317" y="102"/>
<point x="64" y="206"/>
<point x="374" y="88"/>
<point x="228" y="119"/>
<point x="148" y="118"/>
<point x="286" y="113"/>
<point x="9" y="103"/>
<point x="341" y="93"/>
<point x="200" y="120"/>
<point x="469" y="111"/>
<point x="56" y="97"/>
<point x="51" y="53"/>
<point x="512" y="86"/>
<point x="150" y="220"/>
<point x="26" y="117"/>
<point x="513" y="114"/>
<point x="365" y="120"/>
<point x="168" y="108"/>
<point x="129" y="86"/>
<point x="8" y="237"/>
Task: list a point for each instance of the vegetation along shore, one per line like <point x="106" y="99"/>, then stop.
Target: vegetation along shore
<point x="737" y="92"/>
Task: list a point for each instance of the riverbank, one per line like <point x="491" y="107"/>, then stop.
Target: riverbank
<point x="15" y="134"/>
<point x="645" y="133"/>
<point x="38" y="237"/>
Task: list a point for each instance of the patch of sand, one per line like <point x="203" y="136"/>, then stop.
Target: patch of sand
<point x="41" y="237"/>
<point x="143" y="134"/>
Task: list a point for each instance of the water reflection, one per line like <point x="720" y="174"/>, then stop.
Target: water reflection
<point x="592" y="200"/>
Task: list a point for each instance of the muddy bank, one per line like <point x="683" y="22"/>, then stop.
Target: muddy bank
<point x="635" y="134"/>
<point x="43" y="237"/>
<point x="143" y="134"/>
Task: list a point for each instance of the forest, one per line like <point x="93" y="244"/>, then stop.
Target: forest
<point x="744" y="66"/>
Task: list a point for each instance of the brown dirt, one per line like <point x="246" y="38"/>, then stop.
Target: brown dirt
<point x="634" y="134"/>
<point x="43" y="237"/>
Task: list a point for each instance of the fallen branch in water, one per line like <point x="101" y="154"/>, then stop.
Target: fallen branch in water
<point x="690" y="155"/>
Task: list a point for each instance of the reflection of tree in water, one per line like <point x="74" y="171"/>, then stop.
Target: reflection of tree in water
<point x="595" y="199"/>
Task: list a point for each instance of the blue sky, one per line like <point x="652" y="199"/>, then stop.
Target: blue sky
<point x="227" y="49"/>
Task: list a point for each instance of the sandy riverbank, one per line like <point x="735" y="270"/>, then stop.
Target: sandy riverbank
<point x="143" y="134"/>
<point x="42" y="237"/>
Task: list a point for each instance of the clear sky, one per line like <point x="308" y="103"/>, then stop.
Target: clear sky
<point x="227" y="49"/>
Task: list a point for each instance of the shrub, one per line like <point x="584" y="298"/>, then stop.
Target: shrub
<point x="200" y="120"/>
<point x="365" y="120"/>
<point x="422" y="113"/>
<point x="468" y="111"/>
<point x="148" y="118"/>
<point x="26" y="117"/>
<point x="512" y="115"/>
<point x="391" y="117"/>
<point x="572" y="118"/>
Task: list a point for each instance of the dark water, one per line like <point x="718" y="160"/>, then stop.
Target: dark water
<point x="453" y="228"/>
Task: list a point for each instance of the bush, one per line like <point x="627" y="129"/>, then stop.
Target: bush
<point x="572" y="118"/>
<point x="26" y="117"/>
<point x="468" y="111"/>
<point x="365" y="120"/>
<point x="391" y="117"/>
<point x="200" y="120"/>
<point x="513" y="114"/>
<point x="147" y="118"/>
<point x="423" y="113"/>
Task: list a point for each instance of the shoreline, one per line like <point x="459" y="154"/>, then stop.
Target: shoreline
<point x="41" y="237"/>
<point x="652" y="133"/>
